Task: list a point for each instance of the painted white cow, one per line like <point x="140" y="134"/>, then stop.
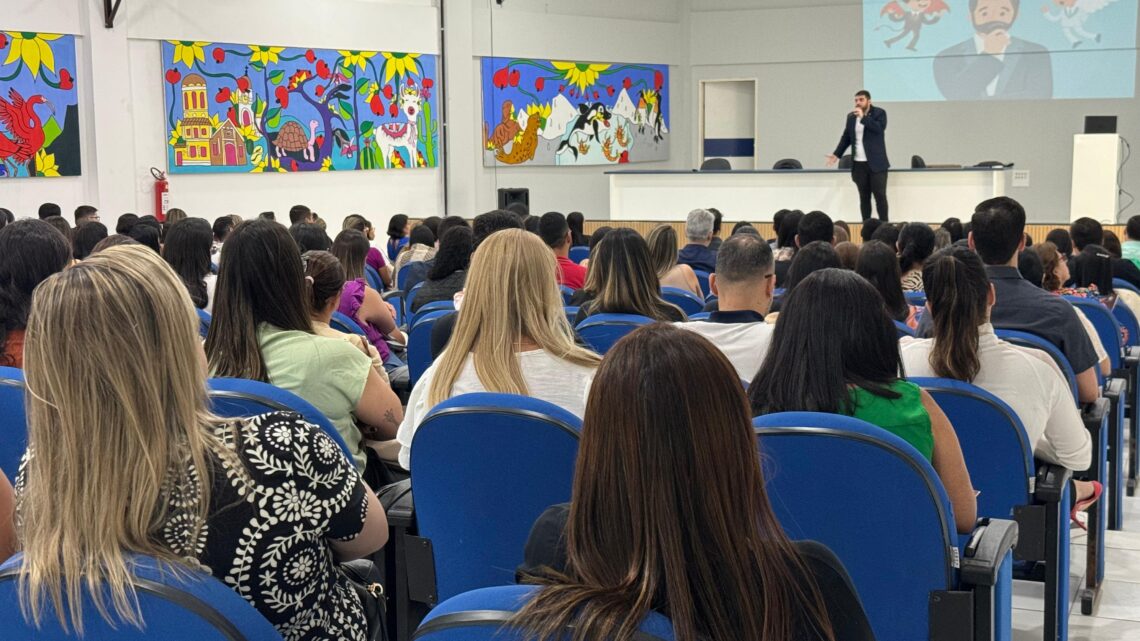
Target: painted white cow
<point x="402" y="134"/>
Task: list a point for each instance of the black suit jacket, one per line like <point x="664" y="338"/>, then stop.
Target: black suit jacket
<point x="874" y="138"/>
<point x="1024" y="72"/>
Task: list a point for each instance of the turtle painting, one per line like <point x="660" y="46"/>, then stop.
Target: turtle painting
<point x="291" y="138"/>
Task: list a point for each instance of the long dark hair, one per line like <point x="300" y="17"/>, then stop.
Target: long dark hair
<point x="187" y="251"/>
<point x="260" y="280"/>
<point x="916" y="244"/>
<point x="577" y="222"/>
<point x="834" y="332"/>
<point x="669" y="509"/>
<point x="877" y="264"/>
<point x="957" y="290"/>
<point x="30" y="251"/>
<point x="455" y="249"/>
<point x="351" y="249"/>
<point x="621" y="278"/>
<point x="812" y="257"/>
<point x="85" y="237"/>
<point x="789" y="227"/>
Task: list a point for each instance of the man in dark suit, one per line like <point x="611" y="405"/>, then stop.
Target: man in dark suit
<point x="993" y="64"/>
<point x="865" y="134"/>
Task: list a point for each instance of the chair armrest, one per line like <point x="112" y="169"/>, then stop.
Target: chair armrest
<point x="392" y="294"/>
<point x="1132" y="353"/>
<point x="396" y="500"/>
<point x="1051" y="483"/>
<point x="1093" y="413"/>
<point x="1115" y="387"/>
<point x="982" y="557"/>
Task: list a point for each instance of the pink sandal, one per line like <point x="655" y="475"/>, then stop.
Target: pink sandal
<point x="1082" y="505"/>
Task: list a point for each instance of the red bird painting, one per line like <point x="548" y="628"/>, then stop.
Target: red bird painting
<point x="25" y="132"/>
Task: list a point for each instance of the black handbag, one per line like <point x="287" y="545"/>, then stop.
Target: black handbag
<point x="368" y="583"/>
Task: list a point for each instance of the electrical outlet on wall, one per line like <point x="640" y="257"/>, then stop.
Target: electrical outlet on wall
<point x="1020" y="177"/>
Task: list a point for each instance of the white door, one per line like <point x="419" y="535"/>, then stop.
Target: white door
<point x="728" y="122"/>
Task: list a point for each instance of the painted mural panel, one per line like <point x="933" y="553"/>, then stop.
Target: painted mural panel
<point x="39" y="106"/>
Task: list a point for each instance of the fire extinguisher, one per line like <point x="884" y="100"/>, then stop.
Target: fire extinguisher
<point x="161" y="194"/>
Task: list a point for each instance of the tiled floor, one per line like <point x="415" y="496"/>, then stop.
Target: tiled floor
<point x="1117" y="616"/>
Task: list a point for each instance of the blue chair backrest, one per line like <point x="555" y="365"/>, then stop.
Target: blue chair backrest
<point x="703" y="279"/>
<point x="242" y="398"/>
<point x="917" y="299"/>
<point x="372" y="277"/>
<point x="484" y="467"/>
<point x="402" y="276"/>
<point x="994" y="443"/>
<point x="203" y="322"/>
<point x="904" y="329"/>
<point x="186" y="605"/>
<point x="410" y="297"/>
<point x="427" y="308"/>
<point x="571" y="312"/>
<point x="1128" y="321"/>
<point x="1026" y="339"/>
<point x="343" y="323"/>
<point x="601" y="331"/>
<point x="689" y="302"/>
<point x="479" y="615"/>
<point x="1107" y="327"/>
<point x="700" y="316"/>
<point x="567" y="294"/>
<point x="833" y="479"/>
<point x="419" y="344"/>
<point x="579" y="253"/>
<point x="1120" y="283"/>
<point x="13" y="421"/>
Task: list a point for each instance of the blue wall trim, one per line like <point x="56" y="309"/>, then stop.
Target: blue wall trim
<point x="729" y="147"/>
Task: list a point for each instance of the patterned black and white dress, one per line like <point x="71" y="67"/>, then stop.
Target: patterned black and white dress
<point x="268" y="527"/>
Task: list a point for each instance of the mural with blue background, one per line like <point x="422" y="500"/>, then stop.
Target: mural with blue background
<point x="39" y="110"/>
<point x="1002" y="50"/>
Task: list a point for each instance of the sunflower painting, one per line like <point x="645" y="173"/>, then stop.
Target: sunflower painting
<point x="258" y="108"/>
<point x="566" y="112"/>
<point x="39" y="106"/>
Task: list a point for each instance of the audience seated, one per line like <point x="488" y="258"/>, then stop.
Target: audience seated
<point x="942" y="238"/>
<point x="364" y="305"/>
<point x="848" y="253"/>
<point x="811" y="258"/>
<point x="811" y="227"/>
<point x="555" y="232"/>
<point x="432" y="223"/>
<point x="577" y="222"/>
<point x="325" y="276"/>
<point x="421" y="247"/>
<point x="836" y="350"/>
<point x="888" y="233"/>
<point x="642" y="534"/>
<point x="1062" y="241"/>
<point x="1093" y="272"/>
<point x="841" y="235"/>
<point x="662" y="242"/>
<point x="964" y="348"/>
<point x="1088" y="238"/>
<point x="30" y="251"/>
<point x="621" y="280"/>
<point x="375" y="258"/>
<point x="264" y="504"/>
<point x="398" y="229"/>
<point x="1130" y="250"/>
<point x="915" y="245"/>
<point x="997" y="234"/>
<point x="87" y="214"/>
<point x="418" y="271"/>
<point x="953" y="226"/>
<point x="187" y="251"/>
<point x="449" y="269"/>
<point x="742" y="224"/>
<point x="880" y="266"/>
<point x="297" y="214"/>
<point x="146" y="232"/>
<point x="743" y="283"/>
<point x="698" y="233"/>
<point x="596" y="238"/>
<point x="1112" y="244"/>
<point x="510" y="335"/>
<point x="718" y="219"/>
<point x="47" y="210"/>
<point x="86" y="237"/>
<point x="60" y="223"/>
<point x="1030" y="265"/>
<point x="261" y="330"/>
<point x="310" y="237"/>
<point x="221" y="228"/>
<point x="869" y="227"/>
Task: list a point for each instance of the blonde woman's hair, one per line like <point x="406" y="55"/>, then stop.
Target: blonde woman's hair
<point x="511" y="293"/>
<point x="662" y="241"/>
<point x="115" y="421"/>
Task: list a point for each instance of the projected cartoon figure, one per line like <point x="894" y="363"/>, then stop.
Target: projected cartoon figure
<point x="913" y="14"/>
<point x="993" y="64"/>
<point x="1072" y="18"/>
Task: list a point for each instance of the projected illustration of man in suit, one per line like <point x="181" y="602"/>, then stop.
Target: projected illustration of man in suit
<point x="993" y="64"/>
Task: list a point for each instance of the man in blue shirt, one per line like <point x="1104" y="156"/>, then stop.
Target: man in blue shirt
<point x="699" y="232"/>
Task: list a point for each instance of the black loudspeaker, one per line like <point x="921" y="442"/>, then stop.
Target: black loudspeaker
<point x="508" y="195"/>
<point x="1100" y="124"/>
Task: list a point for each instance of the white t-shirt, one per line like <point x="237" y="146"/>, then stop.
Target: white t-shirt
<point x="211" y="282"/>
<point x="547" y="377"/>
<point x="1030" y="383"/>
<point x="860" y="154"/>
<point x="744" y="344"/>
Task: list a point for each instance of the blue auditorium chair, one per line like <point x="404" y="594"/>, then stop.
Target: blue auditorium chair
<point x="700" y="316"/>
<point x="904" y="329"/>
<point x="1120" y="283"/>
<point x="483" y="468"/>
<point x="186" y="605"/>
<point x="395" y="298"/>
<point x="567" y="294"/>
<point x="1129" y="321"/>
<point x="880" y="506"/>
<point x="345" y="324"/>
<point x="689" y="302"/>
<point x="402" y="277"/>
<point x="242" y="398"/>
<point x="571" y="313"/>
<point x="703" y="279"/>
<point x="601" y="331"/>
<point x="410" y="298"/>
<point x="918" y="299"/>
<point x="1014" y="486"/>
<point x="579" y="253"/>
<point x="427" y="308"/>
<point x="203" y="323"/>
<point x="372" y="277"/>
<point x="13" y="421"/>
<point x="479" y="615"/>
<point x="419" y="343"/>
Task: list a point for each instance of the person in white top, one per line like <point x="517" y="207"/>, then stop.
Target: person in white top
<point x="511" y="336"/>
<point x="744" y="283"/>
<point x="964" y="347"/>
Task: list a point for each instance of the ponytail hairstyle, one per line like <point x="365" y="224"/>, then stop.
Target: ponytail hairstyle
<point x="957" y="292"/>
<point x="326" y="279"/>
<point x="916" y="244"/>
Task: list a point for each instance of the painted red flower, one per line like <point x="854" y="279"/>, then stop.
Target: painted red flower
<point x="66" y="82"/>
<point x="310" y="56"/>
<point x="627" y="83"/>
<point x="515" y="75"/>
<point x="539" y="83"/>
<point x="172" y="76"/>
<point x="231" y="115"/>
<point x="376" y="105"/>
<point x="393" y="110"/>
<point x="3" y="41"/>
<point x="624" y="158"/>
<point x="428" y="83"/>
<point x="223" y="95"/>
<point x="323" y="70"/>
<point x="282" y="94"/>
<point x="243" y="83"/>
<point x="561" y="88"/>
<point x="293" y="165"/>
<point x="500" y="78"/>
<point x="388" y="91"/>
<point x="610" y="90"/>
<point x="320" y="90"/>
<point x="219" y="55"/>
<point x="411" y="81"/>
<point x="595" y="95"/>
<point x="658" y="80"/>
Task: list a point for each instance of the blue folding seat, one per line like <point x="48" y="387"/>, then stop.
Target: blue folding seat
<point x="1130" y="323"/>
<point x="1014" y="486"/>
<point x="703" y="279"/>
<point x="689" y="302"/>
<point x="183" y="605"/>
<point x="567" y="294"/>
<point x="601" y="331"/>
<point x="480" y="615"/>
<point x="346" y="324"/>
<point x="13" y="421"/>
<point x="419" y="343"/>
<point x="410" y="298"/>
<point x="402" y="277"/>
<point x="904" y="329"/>
<point x="372" y="277"/>
<point x="700" y="316"/>
<point x="917" y="299"/>
<point x="203" y="323"/>
<point x="427" y="308"/>
<point x="579" y="253"/>
<point x="880" y="506"/>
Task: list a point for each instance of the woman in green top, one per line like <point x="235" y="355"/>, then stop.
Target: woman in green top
<point x="836" y="350"/>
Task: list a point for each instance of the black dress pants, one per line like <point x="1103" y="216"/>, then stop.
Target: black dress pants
<point x="870" y="183"/>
